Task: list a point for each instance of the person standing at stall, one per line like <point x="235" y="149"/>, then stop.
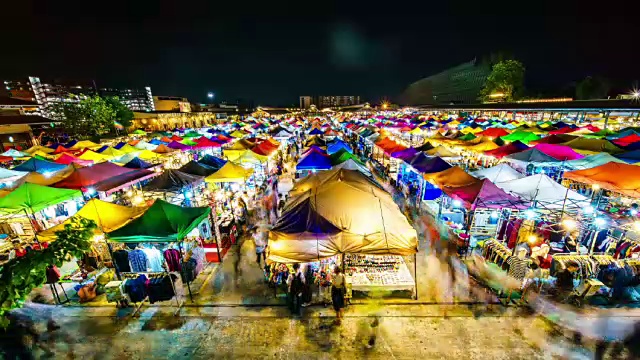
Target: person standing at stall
<point x="338" y="289"/>
<point x="295" y="283"/>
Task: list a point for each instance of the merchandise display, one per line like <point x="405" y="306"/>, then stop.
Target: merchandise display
<point x="366" y="272"/>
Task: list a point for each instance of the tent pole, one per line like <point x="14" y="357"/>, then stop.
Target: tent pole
<point x="115" y="266"/>
<point x="35" y="234"/>
<point x="415" y="274"/>
<point x="214" y="220"/>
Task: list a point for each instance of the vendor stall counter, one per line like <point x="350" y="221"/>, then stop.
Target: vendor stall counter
<point x="375" y="272"/>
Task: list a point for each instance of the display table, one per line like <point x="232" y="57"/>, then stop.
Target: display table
<point x="369" y="272"/>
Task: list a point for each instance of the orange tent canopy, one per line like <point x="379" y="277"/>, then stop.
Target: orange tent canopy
<point x="621" y="178"/>
<point x="452" y="177"/>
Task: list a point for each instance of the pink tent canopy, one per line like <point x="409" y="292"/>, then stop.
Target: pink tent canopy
<point x="485" y="194"/>
<point x="560" y="152"/>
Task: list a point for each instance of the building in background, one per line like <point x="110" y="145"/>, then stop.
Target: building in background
<point x="171" y="104"/>
<point x="47" y="93"/>
<point x="332" y="102"/>
<point x="134" y="99"/>
<point x="459" y="85"/>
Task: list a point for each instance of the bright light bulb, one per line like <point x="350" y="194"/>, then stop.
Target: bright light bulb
<point x="532" y="239"/>
<point x="494" y="214"/>
<point x="457" y="203"/>
<point x="588" y="209"/>
<point x="569" y="224"/>
<point x="91" y="191"/>
<point x="634" y="212"/>
<point x="600" y="222"/>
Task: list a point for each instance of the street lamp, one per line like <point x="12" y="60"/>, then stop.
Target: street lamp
<point x="211" y="95"/>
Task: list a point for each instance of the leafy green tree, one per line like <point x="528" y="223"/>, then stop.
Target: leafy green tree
<point x="92" y="116"/>
<point x="592" y="88"/>
<point x="123" y="114"/>
<point x="20" y="276"/>
<point x="507" y="78"/>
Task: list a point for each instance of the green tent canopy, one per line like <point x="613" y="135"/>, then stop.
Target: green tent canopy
<point x="192" y="134"/>
<point x="139" y="132"/>
<point x="341" y="156"/>
<point x="188" y="142"/>
<point x="467" y="137"/>
<point x="162" y="222"/>
<point x="522" y="136"/>
<point x="33" y="198"/>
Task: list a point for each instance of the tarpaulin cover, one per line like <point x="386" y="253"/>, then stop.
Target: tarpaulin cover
<point x="630" y="157"/>
<point x="441" y="151"/>
<point x="14" y="153"/>
<point x="176" y="138"/>
<point x="156" y="142"/>
<point x="242" y="144"/>
<point x="427" y="165"/>
<point x="265" y="148"/>
<point x="452" y="177"/>
<point x="498" y="173"/>
<point x="560" y="152"/>
<point x="41" y="166"/>
<point x="353" y="164"/>
<point x="137" y="163"/>
<point x="339" y="211"/>
<point x="341" y="156"/>
<point x="7" y="175"/>
<point x="316" y="132"/>
<point x="99" y="150"/>
<point x="195" y="168"/>
<point x="524" y="136"/>
<point x="163" y="149"/>
<point x="178" y="146"/>
<point x="212" y="161"/>
<point x="69" y="159"/>
<point x="143" y="145"/>
<point x="494" y="132"/>
<point x="544" y="190"/>
<point x="621" y="178"/>
<point x="591" y="161"/>
<point x="230" y="172"/>
<point x="405" y="155"/>
<point x="531" y="156"/>
<point x="69" y="144"/>
<point x="594" y="146"/>
<point x="425" y="147"/>
<point x="33" y="149"/>
<point x="172" y="180"/>
<point x="114" y="153"/>
<point x="162" y="222"/>
<point x="90" y="155"/>
<point x="85" y="144"/>
<point x="511" y="148"/>
<point x="88" y="176"/>
<point x="120" y="145"/>
<point x="314" y="161"/>
<point x="336" y="146"/>
<point x="484" y="194"/>
<point x="107" y="216"/>
<point x="33" y="198"/>
<point x="627" y="140"/>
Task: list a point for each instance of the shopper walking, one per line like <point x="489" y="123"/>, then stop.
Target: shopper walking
<point x="307" y="294"/>
<point x="261" y="245"/>
<point x="337" y="294"/>
<point x="295" y="283"/>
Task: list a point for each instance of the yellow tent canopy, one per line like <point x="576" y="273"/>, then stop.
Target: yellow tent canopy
<point x="108" y="217"/>
<point x="43" y="149"/>
<point x="85" y="144"/>
<point x="249" y="157"/>
<point x="128" y="149"/>
<point x="229" y="172"/>
<point x="237" y="134"/>
<point x="94" y="156"/>
<point x="416" y="131"/>
<point x="113" y="152"/>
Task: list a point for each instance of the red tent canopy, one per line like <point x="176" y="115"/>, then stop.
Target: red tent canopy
<point x="264" y="148"/>
<point x="564" y="130"/>
<point x="166" y="139"/>
<point x="494" y="132"/>
<point x="5" y="158"/>
<point x="511" y="148"/>
<point x="560" y="152"/>
<point x="86" y="177"/>
<point x="61" y="149"/>
<point x="203" y="142"/>
<point x="69" y="159"/>
<point x="484" y="194"/>
<point x="627" y="140"/>
<point x="175" y="138"/>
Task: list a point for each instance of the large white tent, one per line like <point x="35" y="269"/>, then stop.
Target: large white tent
<point x="351" y="164"/>
<point x="499" y="173"/>
<point x="544" y="192"/>
<point x="336" y="212"/>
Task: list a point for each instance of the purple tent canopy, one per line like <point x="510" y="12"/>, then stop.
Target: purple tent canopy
<point x="179" y="146"/>
<point x="429" y="165"/>
<point x="406" y="154"/>
<point x="485" y="194"/>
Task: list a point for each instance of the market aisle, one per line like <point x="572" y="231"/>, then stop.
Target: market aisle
<point x="248" y="288"/>
<point x="406" y="332"/>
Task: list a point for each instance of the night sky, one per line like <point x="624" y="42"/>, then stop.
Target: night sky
<point x="272" y="53"/>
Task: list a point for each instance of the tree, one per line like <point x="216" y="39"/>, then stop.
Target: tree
<point x="124" y="115"/>
<point x="90" y="117"/>
<point x="506" y="78"/>
<point x="592" y="88"/>
<point x="20" y="276"/>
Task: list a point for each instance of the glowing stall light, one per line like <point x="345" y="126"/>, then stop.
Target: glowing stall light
<point x="457" y="203"/>
<point x="494" y="214"/>
<point x="91" y="191"/>
<point x="633" y="212"/>
<point x="569" y="224"/>
<point x="600" y="222"/>
<point x="47" y="174"/>
<point x="188" y="194"/>
<point x="530" y="214"/>
<point x="588" y="209"/>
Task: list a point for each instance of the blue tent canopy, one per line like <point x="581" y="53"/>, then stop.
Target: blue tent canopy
<point x="157" y="142"/>
<point x="336" y="146"/>
<point x="137" y="163"/>
<point x="316" y="131"/>
<point x="212" y="161"/>
<point x="103" y="148"/>
<point x="314" y="161"/>
<point x="41" y="166"/>
<point x="70" y="144"/>
<point x="429" y="165"/>
<point x="630" y="157"/>
<point x="120" y="145"/>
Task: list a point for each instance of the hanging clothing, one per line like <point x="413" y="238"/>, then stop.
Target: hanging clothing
<point x="189" y="271"/>
<point x="172" y="257"/>
<point x="154" y="259"/>
<point x="517" y="267"/>
<point x="121" y="258"/>
<point x="138" y="261"/>
<point x="136" y="288"/>
<point x="199" y="255"/>
<point x="161" y="288"/>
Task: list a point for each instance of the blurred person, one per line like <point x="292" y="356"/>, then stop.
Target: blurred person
<point x="338" y="290"/>
<point x="307" y="293"/>
<point x="295" y="285"/>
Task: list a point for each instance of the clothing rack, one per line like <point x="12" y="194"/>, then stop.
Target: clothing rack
<point x="154" y="275"/>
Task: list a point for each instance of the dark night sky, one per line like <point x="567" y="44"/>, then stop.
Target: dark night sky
<point x="273" y="53"/>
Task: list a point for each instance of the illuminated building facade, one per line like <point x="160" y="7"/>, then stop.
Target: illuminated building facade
<point x="157" y="121"/>
<point x="172" y="104"/>
<point x="134" y="99"/>
<point x="322" y="102"/>
<point x="459" y="85"/>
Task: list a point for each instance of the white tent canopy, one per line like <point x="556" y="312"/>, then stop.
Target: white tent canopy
<point x="351" y="164"/>
<point x="544" y="191"/>
<point x="499" y="173"/>
<point x="340" y="211"/>
<point x="591" y="161"/>
<point x="8" y="176"/>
